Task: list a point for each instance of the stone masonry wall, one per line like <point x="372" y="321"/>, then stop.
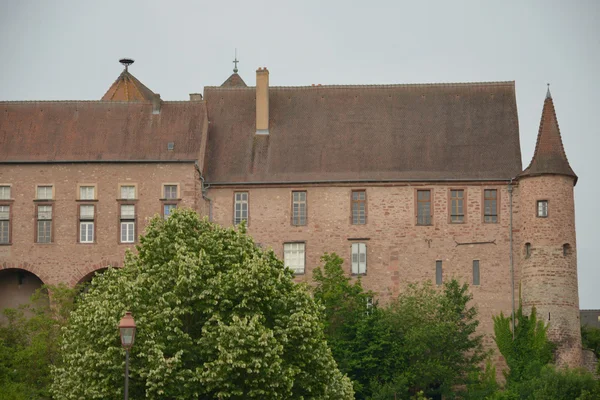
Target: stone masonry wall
<point x="66" y="260"/>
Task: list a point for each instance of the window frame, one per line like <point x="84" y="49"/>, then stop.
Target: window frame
<point x="9" y="204"/>
<point x="357" y="203"/>
<point x="451" y="208"/>
<point x="37" y="190"/>
<point x="483" y="200"/>
<point x="416" y="206"/>
<point x="537" y="208"/>
<point x="81" y="185"/>
<point x="476" y="267"/>
<point x="163" y="195"/>
<point x="10" y="192"/>
<point x="127" y="220"/>
<point x="36" y="229"/>
<point x="305" y="202"/>
<point x="247" y="207"/>
<point x="80" y="220"/>
<point x="135" y="191"/>
<point x="358" y="263"/>
<point x="439" y="266"/>
<point x="303" y="243"/>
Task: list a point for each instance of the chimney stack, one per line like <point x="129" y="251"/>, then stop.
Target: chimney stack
<point x="156" y="101"/>
<point x="195" y="97"/>
<point x="262" y="101"/>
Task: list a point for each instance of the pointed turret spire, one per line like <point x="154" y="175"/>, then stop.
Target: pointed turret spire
<point x="549" y="156"/>
<point x="127" y="87"/>
<point x="234" y="79"/>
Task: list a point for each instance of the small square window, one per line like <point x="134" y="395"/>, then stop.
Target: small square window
<point x="44" y="192"/>
<point x="87" y="193"/>
<point x="127" y="211"/>
<point x="128" y="192"/>
<point x="170" y="192"/>
<point x="4" y="192"/>
<point x="542" y="208"/>
<point x="86" y="212"/>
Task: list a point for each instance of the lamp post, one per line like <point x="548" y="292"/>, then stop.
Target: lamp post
<point x="127" y="331"/>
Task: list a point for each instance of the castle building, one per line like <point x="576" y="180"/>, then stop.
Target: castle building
<point x="407" y="183"/>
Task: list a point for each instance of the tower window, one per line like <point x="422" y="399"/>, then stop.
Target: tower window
<point x="542" y="208"/>
<point x="566" y="249"/>
<point x="527" y="250"/>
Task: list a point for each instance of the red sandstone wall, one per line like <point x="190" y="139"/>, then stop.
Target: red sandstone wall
<point x="549" y="278"/>
<point x="398" y="251"/>
<point x="65" y="260"/>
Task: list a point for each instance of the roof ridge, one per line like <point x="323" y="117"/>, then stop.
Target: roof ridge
<point x="378" y="86"/>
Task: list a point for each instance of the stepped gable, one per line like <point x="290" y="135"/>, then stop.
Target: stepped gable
<point x="365" y="133"/>
<point x="96" y="131"/>
<point x="234" y="81"/>
<point x="549" y="156"/>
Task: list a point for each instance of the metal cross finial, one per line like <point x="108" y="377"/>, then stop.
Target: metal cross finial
<point x="235" y="63"/>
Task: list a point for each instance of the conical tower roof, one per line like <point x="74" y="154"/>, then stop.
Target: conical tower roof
<point x="128" y="88"/>
<point x="549" y="156"/>
<point x="234" y="81"/>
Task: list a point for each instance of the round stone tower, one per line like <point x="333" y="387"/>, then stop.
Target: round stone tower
<point x="548" y="256"/>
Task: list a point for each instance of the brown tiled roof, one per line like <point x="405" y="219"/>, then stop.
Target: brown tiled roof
<point x="128" y="88"/>
<point x="347" y="133"/>
<point x="549" y="156"/>
<point x="100" y="131"/>
<point x="234" y="81"/>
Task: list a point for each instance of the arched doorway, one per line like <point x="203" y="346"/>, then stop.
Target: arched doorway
<point x="16" y="288"/>
<point x="86" y="280"/>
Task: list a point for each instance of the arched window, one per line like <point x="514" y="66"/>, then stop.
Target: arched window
<point x="566" y="249"/>
<point x="527" y="250"/>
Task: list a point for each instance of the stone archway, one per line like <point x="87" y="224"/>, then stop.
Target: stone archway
<point x="16" y="287"/>
<point x="87" y="279"/>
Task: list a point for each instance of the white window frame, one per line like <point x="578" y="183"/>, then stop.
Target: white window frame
<point x="127" y="231"/>
<point x="85" y="234"/>
<point x="127" y="192"/>
<point x="241" y="207"/>
<point x="542" y="208"/>
<point x="359" y="258"/>
<point x="294" y="256"/>
<point x="5" y="219"/>
<point x="44" y="218"/>
<point x="5" y="192"/>
<point x="87" y="192"/>
<point x="41" y="192"/>
<point x="169" y="185"/>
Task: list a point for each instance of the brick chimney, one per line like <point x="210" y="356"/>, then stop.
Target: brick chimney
<point x="156" y="103"/>
<point x="262" y="101"/>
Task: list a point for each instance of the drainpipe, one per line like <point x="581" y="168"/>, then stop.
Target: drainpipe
<point x="512" y="268"/>
<point x="204" y="188"/>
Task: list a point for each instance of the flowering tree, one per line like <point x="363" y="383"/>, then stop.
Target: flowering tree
<point x="217" y="317"/>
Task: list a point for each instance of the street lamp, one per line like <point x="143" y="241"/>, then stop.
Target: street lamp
<point x="127" y="331"/>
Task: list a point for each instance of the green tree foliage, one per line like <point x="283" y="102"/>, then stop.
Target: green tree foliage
<point x="217" y="317"/>
<point x="590" y="339"/>
<point x="425" y="340"/>
<point x="29" y="343"/>
<point x="528" y="351"/>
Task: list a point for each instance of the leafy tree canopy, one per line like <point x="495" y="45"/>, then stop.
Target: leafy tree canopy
<point x="217" y="317"/>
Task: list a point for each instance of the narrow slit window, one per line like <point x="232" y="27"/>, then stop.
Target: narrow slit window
<point x="527" y="250"/>
<point x="438" y="273"/>
<point x="476" y="276"/>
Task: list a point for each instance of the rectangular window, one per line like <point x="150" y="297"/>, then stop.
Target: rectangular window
<point x="476" y="273"/>
<point x="457" y="212"/>
<point x="167" y="209"/>
<point x="423" y="207"/>
<point x="44" y="192"/>
<point x="128" y="192"/>
<point x="4" y="192"/>
<point x="170" y="192"/>
<point x="44" y="224"/>
<point x="490" y="205"/>
<point x="359" y="258"/>
<point x="127" y="219"/>
<point x="86" y="223"/>
<point x="359" y="207"/>
<point x="542" y="208"/>
<point x="87" y="193"/>
<point x="438" y="272"/>
<point x="298" y="208"/>
<point x="240" y="212"/>
<point x="293" y="257"/>
<point x="4" y="224"/>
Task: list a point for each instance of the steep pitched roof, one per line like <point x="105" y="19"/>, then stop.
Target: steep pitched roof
<point x="363" y="133"/>
<point x="549" y="156"/>
<point x="59" y="131"/>
<point x="234" y="80"/>
<point x="128" y="88"/>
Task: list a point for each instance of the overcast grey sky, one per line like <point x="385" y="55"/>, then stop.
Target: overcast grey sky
<point x="69" y="50"/>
